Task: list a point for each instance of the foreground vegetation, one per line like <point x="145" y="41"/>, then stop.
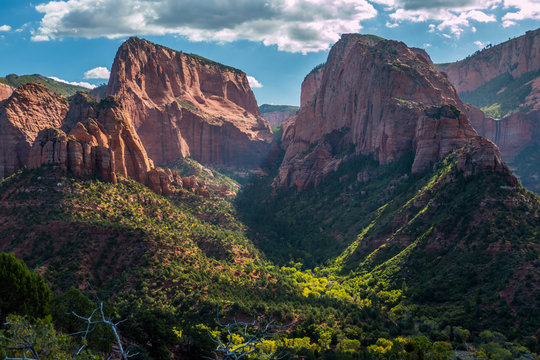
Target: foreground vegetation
<point x="374" y="263"/>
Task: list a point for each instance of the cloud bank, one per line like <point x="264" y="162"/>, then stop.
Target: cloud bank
<point x="81" y="84"/>
<point x="97" y="73"/>
<point x="291" y="25"/>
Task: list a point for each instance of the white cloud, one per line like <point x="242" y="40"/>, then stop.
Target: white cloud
<point x="481" y="44"/>
<point x="453" y="20"/>
<point x="97" y="73"/>
<point x="426" y="45"/>
<point x="5" y="28"/>
<point x="82" y="84"/>
<point x="253" y="83"/>
<point x="526" y="9"/>
<point x="292" y="25"/>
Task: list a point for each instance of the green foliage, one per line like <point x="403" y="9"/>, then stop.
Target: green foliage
<point x="317" y="68"/>
<point x="22" y="291"/>
<point x="502" y="95"/>
<point x="37" y="339"/>
<point x="526" y="165"/>
<point x="54" y="86"/>
<point x="297" y="226"/>
<point x="63" y="308"/>
<point x="267" y="108"/>
<point x="187" y="105"/>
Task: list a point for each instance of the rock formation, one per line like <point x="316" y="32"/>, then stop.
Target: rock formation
<point x="102" y="141"/>
<point x="184" y="105"/>
<point x="484" y="78"/>
<point x="311" y="85"/>
<point x="30" y="109"/>
<point x="276" y="114"/>
<point x="5" y="91"/>
<point x="516" y="57"/>
<point x="378" y="98"/>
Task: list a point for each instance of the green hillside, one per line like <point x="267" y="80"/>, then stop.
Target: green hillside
<point x="55" y="86"/>
<point x="267" y="108"/>
<point x="502" y="95"/>
<point x="402" y="266"/>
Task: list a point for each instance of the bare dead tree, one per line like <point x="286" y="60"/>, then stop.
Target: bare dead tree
<point x="252" y="333"/>
<point x="24" y="340"/>
<point x="91" y="324"/>
<point x="34" y="341"/>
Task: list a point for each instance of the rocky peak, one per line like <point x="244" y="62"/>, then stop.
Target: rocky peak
<point x="377" y="97"/>
<point x="186" y="105"/>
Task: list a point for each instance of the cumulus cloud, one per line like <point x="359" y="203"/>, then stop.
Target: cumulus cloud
<point x="253" y="83"/>
<point x="97" y="73"/>
<point x="291" y="25"/>
<point x="526" y="9"/>
<point x="481" y="44"/>
<point x="5" y="28"/>
<point x="457" y="16"/>
<point x="82" y="84"/>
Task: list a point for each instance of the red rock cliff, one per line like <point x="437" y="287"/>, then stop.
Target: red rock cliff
<point x="311" y="85"/>
<point x="517" y="57"/>
<point x="30" y="109"/>
<point x="184" y="105"/>
<point x="376" y="97"/>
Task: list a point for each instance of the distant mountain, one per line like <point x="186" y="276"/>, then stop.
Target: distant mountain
<point x="276" y="114"/>
<point x="53" y="85"/>
<point x="504" y="81"/>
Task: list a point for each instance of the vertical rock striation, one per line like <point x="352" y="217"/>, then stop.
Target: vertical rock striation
<point x="184" y="105"/>
<point x="378" y="98"/>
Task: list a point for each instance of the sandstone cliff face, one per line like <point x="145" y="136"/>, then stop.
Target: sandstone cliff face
<point x="102" y="141"/>
<point x="5" y="91"/>
<point x="183" y="105"/>
<point x="376" y="97"/>
<point x="277" y="117"/>
<point x="311" y="85"/>
<point x="30" y="109"/>
<point x="511" y="60"/>
<point x="517" y="57"/>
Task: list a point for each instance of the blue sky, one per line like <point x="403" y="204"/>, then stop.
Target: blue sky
<point x="276" y="42"/>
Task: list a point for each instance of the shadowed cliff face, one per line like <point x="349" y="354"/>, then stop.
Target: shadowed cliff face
<point x="183" y="105"/>
<point x="505" y="77"/>
<point x="378" y="98"/>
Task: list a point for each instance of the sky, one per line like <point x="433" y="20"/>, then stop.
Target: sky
<point x="275" y="42"/>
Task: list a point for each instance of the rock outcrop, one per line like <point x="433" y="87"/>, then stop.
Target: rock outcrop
<point x="184" y="105"/>
<point x="29" y="110"/>
<point x="5" y="91"/>
<point x="311" y="85"/>
<point x="505" y="76"/>
<point x="102" y="141"/>
<point x="377" y="98"/>
<point x="516" y="57"/>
